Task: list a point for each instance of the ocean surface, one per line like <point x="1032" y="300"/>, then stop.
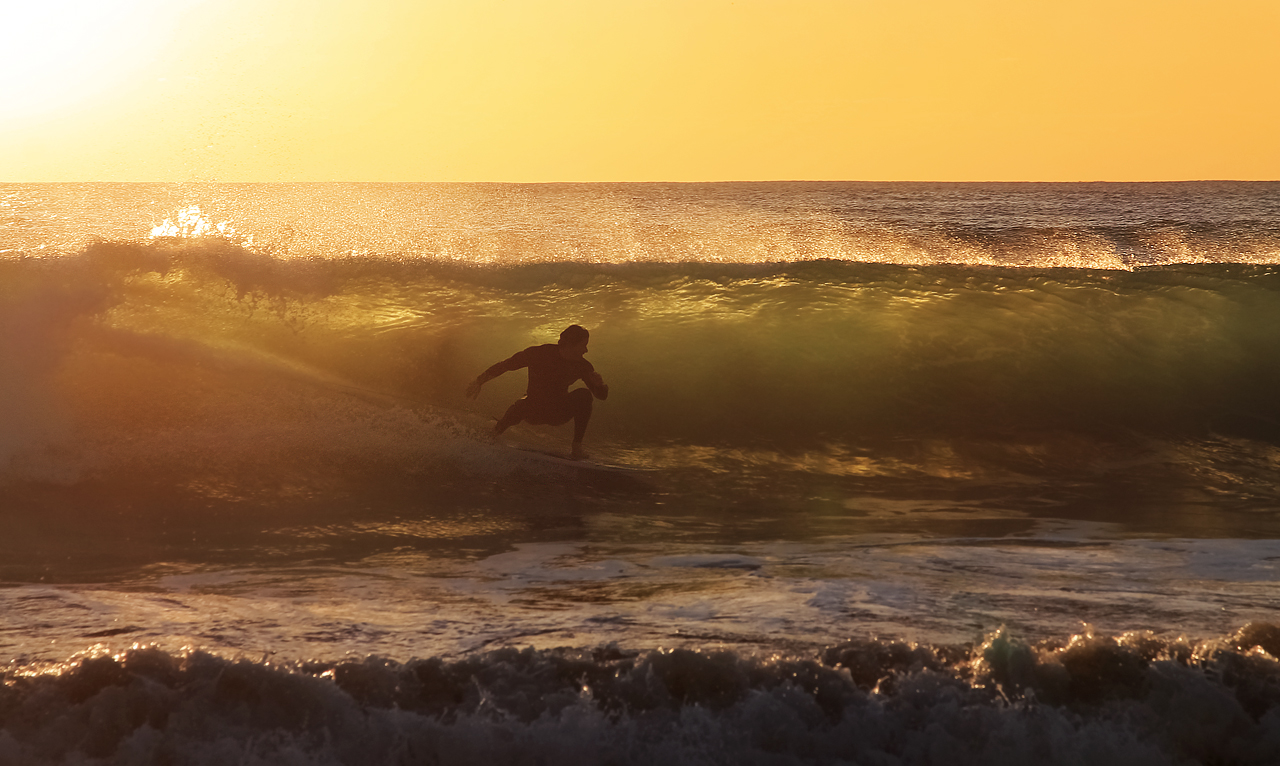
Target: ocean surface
<point x="920" y="474"/>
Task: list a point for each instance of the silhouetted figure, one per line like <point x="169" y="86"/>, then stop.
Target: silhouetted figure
<point x="553" y="367"/>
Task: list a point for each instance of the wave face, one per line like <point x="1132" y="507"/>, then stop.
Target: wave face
<point x="212" y="365"/>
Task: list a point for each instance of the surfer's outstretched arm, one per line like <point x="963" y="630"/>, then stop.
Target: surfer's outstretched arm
<point x="514" y="362"/>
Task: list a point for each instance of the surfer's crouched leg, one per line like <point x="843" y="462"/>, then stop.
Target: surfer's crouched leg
<point x="515" y="413"/>
<point x="580" y="405"/>
<point x="576" y="406"/>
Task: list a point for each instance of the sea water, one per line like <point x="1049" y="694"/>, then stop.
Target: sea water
<point x="923" y="474"/>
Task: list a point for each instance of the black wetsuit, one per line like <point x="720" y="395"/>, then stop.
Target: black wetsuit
<point x="548" y="400"/>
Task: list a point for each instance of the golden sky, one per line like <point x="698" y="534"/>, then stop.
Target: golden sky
<point x="623" y="90"/>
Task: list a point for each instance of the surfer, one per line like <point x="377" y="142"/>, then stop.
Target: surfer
<point x="553" y="367"/>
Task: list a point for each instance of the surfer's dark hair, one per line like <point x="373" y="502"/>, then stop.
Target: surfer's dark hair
<point x="573" y="335"/>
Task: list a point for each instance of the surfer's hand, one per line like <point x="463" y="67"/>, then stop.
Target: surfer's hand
<point x="597" y="385"/>
<point x="473" y="388"/>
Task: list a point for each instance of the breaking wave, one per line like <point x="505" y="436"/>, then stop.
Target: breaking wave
<point x="1131" y="699"/>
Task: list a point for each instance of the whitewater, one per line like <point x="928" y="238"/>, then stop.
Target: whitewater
<point x="924" y="474"/>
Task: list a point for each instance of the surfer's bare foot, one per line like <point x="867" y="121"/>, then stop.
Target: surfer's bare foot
<point x="578" y="453"/>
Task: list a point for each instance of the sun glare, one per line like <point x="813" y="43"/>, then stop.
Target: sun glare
<point x="61" y="53"/>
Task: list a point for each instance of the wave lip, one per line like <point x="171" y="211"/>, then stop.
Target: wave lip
<point x="1103" y="226"/>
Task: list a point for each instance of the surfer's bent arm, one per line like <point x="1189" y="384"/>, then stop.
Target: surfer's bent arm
<point x="516" y="361"/>
<point x="599" y="389"/>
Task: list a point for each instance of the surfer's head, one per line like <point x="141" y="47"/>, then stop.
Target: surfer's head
<point x="573" y="335"/>
<point x="573" y="341"/>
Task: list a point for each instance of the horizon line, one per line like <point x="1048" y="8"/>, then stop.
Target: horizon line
<point x="658" y="181"/>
